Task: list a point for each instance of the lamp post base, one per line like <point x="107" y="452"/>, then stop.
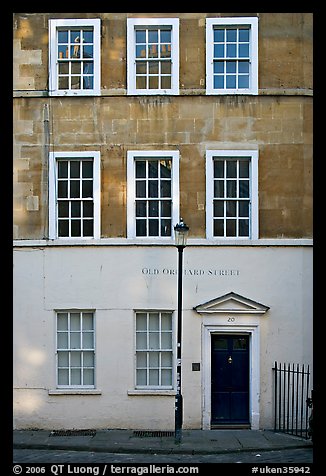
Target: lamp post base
<point x="178" y="418"/>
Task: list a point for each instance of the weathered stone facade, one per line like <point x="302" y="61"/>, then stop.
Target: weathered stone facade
<point x="278" y="121"/>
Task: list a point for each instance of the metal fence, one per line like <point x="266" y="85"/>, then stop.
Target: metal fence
<point x="292" y="399"/>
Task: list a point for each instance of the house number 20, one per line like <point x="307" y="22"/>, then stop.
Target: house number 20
<point x="231" y="319"/>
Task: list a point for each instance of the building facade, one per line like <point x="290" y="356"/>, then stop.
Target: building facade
<point x="123" y="124"/>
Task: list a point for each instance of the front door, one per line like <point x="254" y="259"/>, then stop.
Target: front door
<point x="230" y="380"/>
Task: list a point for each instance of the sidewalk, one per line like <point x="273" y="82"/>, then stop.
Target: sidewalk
<point x="128" y="441"/>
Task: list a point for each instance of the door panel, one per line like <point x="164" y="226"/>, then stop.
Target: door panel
<point x="230" y="379"/>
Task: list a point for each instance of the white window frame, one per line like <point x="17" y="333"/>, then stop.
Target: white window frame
<point x="172" y="351"/>
<point x="252" y="22"/>
<point x="172" y="23"/>
<point x="53" y="62"/>
<point x="69" y="349"/>
<point x="131" y="190"/>
<point x="253" y="221"/>
<point x="53" y="157"/>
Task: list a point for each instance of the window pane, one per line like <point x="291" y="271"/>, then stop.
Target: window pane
<point x="220" y="343"/>
<point x="141" y="68"/>
<point x="88" y="227"/>
<point x="244" y="35"/>
<point x="63" y="377"/>
<point x="75" y="209"/>
<point x="74" y="189"/>
<point x="141" y="321"/>
<point x="244" y="168"/>
<point x="63" y="189"/>
<point x="75" y="321"/>
<point x="231" y="35"/>
<point x="88" y="376"/>
<point x="153" y="82"/>
<point x="62" y="321"/>
<point x="231" y="209"/>
<point x="165" y="36"/>
<point x="219" y="82"/>
<point x="141" y="377"/>
<point x="140" y="208"/>
<point x="153" y="188"/>
<point x="218" y="169"/>
<point x="140" y="189"/>
<point x="166" y="82"/>
<point x="153" y="377"/>
<point x="141" y="359"/>
<point x="88" y="321"/>
<point x="165" y="227"/>
<point x="243" y="81"/>
<point x="153" y="208"/>
<point x="165" y="188"/>
<point x="231" y="51"/>
<point x="165" y="168"/>
<point x="88" y="209"/>
<point x="219" y="35"/>
<point x="63" y="209"/>
<point x="166" y="340"/>
<point x="244" y="209"/>
<point x="153" y="227"/>
<point x="166" y="359"/>
<point x="231" y="228"/>
<point x="141" y="228"/>
<point x="219" y="67"/>
<point x="244" y="188"/>
<point x="62" y="36"/>
<point x="166" y="376"/>
<point x="231" y="168"/>
<point x="154" y="340"/>
<point x="231" y="188"/>
<point x="88" y="340"/>
<point x="231" y="82"/>
<point x="166" y="68"/>
<point x="62" y="169"/>
<point x="244" y="50"/>
<point x="63" y="359"/>
<point x="166" y="321"/>
<point x="231" y="67"/>
<point x="87" y="169"/>
<point x="218" y="51"/>
<point x="243" y="227"/>
<point x="141" y="340"/>
<point x="87" y="188"/>
<point x="153" y="168"/>
<point x="75" y="359"/>
<point x="75" y="377"/>
<point x="166" y="208"/>
<point x="218" y="208"/>
<point x="75" y="340"/>
<point x="75" y="228"/>
<point x="154" y="321"/>
<point x="154" y="359"/>
<point x="141" y="82"/>
<point x="218" y="189"/>
<point x="218" y="227"/>
<point x="140" y="169"/>
<point x="88" y="359"/>
<point x="243" y="66"/>
<point x="140" y="36"/>
<point x="62" y="340"/>
<point x="63" y="228"/>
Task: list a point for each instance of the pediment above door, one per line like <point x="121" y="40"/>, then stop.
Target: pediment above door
<point x="231" y="303"/>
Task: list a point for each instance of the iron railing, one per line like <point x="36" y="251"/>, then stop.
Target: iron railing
<point x="291" y="399"/>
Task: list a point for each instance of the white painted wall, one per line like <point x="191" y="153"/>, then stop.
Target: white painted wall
<point x="115" y="280"/>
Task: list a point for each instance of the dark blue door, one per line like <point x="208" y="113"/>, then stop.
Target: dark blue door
<point x="230" y="379"/>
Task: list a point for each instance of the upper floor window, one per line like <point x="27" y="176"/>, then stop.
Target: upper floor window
<point x="74" y="195"/>
<point x="153" y="55"/>
<point x="232" y="194"/>
<point x="232" y="55"/>
<point x="74" y="57"/>
<point x="153" y="193"/>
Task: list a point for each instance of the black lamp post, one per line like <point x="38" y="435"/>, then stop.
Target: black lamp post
<point x="181" y="233"/>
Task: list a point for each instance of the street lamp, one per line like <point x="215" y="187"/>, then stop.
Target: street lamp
<point x="181" y="233"/>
